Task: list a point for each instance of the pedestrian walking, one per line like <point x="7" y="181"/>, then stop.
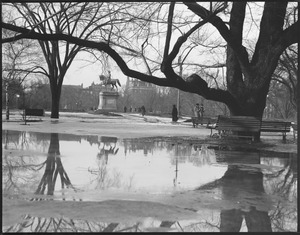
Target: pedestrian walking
<point x="174" y="113"/>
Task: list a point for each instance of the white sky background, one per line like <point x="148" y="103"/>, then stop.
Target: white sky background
<point x="82" y="72"/>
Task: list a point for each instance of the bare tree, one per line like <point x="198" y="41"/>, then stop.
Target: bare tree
<point x="18" y="64"/>
<point x="248" y="75"/>
<point x="82" y="20"/>
<point x="286" y="73"/>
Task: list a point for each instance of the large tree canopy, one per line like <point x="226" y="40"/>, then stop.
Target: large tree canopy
<point x="248" y="73"/>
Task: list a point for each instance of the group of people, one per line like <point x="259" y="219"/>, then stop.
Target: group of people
<point x="125" y="109"/>
<point x="141" y="110"/>
<point x="198" y="112"/>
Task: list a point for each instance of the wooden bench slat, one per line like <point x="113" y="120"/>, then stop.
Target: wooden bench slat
<point x="33" y="112"/>
<point x="239" y="124"/>
<point x="250" y="124"/>
<point x="203" y="120"/>
<point x="275" y="126"/>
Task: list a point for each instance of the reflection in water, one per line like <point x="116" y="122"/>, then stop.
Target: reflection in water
<point x="41" y="225"/>
<point x="256" y="221"/>
<point x="244" y="179"/>
<point x="108" y="147"/>
<point x="231" y="220"/>
<point x="248" y="180"/>
<point x="134" y="146"/>
<point x="53" y="168"/>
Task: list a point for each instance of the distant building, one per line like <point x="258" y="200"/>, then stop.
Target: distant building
<point x="94" y="88"/>
<point x="140" y="93"/>
<point x="138" y="86"/>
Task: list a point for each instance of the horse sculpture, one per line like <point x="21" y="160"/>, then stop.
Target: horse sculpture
<point x="108" y="81"/>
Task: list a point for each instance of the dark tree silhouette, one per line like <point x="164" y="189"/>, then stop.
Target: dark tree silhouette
<point x="53" y="168"/>
<point x="231" y="220"/>
<point x="235" y="180"/>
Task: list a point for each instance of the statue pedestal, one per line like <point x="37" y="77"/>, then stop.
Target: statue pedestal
<point x="108" y="100"/>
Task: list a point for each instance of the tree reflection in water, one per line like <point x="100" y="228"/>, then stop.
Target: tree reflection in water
<point x="17" y="163"/>
<point x="283" y="183"/>
<point x="231" y="220"/>
<point x="241" y="177"/>
<point x="244" y="174"/>
<point x="39" y="224"/>
<point x="53" y="168"/>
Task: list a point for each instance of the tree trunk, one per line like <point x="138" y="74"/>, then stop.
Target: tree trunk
<point x="55" y="95"/>
<point x="55" y="107"/>
<point x="251" y="104"/>
<point x="250" y="99"/>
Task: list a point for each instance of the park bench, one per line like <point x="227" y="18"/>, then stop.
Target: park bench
<point x="242" y="125"/>
<point x="295" y="129"/>
<point x="276" y="126"/>
<point x="33" y="112"/>
<point x="204" y="120"/>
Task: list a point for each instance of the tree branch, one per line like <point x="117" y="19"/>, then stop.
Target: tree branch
<point x="291" y="35"/>
<point x="168" y="37"/>
<point x="271" y="27"/>
<point x="166" y="66"/>
<point x="101" y="46"/>
<point x="195" y="85"/>
<point x="236" y="45"/>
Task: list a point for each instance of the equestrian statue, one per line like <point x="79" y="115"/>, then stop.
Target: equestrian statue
<point x="108" y="81"/>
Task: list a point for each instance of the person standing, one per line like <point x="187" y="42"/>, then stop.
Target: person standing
<point x="201" y="113"/>
<point x="143" y="110"/>
<point x="174" y="113"/>
<point x="197" y="111"/>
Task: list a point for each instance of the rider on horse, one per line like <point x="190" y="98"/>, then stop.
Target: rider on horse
<point x="108" y="81"/>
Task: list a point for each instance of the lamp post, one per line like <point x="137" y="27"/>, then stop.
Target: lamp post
<point x="7" y="101"/>
<point x="178" y="91"/>
<point x="176" y="166"/>
<point x="17" y="101"/>
<point x="178" y="101"/>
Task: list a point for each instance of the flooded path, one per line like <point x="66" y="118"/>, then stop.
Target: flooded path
<point x="71" y="183"/>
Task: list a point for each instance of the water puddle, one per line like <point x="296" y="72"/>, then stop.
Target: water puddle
<point x="70" y="183"/>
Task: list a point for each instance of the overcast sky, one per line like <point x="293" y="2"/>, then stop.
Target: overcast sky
<point x="81" y="72"/>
